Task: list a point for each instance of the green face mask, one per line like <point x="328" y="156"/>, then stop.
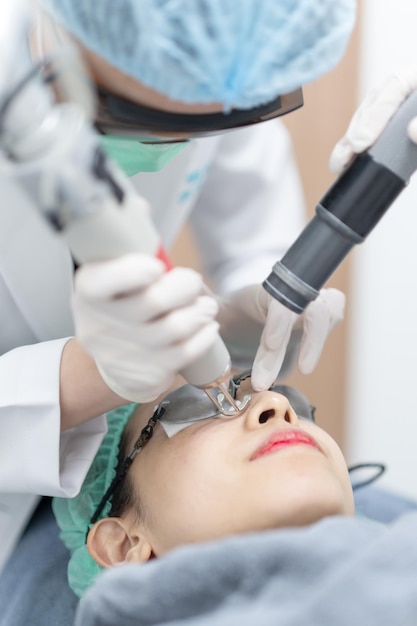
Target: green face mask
<point x="134" y="156"/>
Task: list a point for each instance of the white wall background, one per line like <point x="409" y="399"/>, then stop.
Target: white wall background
<point x="382" y="380"/>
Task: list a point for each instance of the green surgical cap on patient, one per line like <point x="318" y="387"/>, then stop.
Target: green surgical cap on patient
<point x="73" y="515"/>
<point x="242" y="53"/>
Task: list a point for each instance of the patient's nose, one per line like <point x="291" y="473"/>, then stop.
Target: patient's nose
<point x="266" y="406"/>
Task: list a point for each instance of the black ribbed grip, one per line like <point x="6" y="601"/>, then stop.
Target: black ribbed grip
<point x="362" y="194"/>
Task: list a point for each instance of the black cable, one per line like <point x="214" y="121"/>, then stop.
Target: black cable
<point x="379" y="470"/>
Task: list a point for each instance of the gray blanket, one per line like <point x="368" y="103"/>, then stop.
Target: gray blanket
<point x="338" y="572"/>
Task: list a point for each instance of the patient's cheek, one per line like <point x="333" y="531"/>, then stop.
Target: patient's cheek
<point x="191" y="461"/>
<point x="192" y="452"/>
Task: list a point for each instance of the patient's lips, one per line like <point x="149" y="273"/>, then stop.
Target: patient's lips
<point x="284" y="439"/>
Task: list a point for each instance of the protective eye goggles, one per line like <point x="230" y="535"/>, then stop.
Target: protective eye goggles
<point x="187" y="405"/>
<point x="121" y="117"/>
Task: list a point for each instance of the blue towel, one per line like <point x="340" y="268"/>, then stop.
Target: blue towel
<point x="339" y="572"/>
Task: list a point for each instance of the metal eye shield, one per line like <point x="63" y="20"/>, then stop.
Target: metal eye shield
<point x="188" y="404"/>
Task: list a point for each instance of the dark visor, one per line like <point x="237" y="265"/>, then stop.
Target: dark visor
<point x="117" y="116"/>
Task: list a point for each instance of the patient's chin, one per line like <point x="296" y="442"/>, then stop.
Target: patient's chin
<point x="325" y="507"/>
<point x="307" y="506"/>
<point x="312" y="514"/>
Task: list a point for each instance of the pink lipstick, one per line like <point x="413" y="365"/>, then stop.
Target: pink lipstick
<point x="284" y="439"/>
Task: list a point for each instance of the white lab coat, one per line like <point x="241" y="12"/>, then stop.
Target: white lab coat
<point x="242" y="197"/>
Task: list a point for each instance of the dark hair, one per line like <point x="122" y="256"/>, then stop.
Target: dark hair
<point x="123" y="497"/>
<point x="121" y="493"/>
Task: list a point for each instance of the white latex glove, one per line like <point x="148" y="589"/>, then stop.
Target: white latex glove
<point x="372" y="116"/>
<point x="320" y="317"/>
<point x="142" y="324"/>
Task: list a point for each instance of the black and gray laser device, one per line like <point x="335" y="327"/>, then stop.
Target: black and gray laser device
<point x="347" y="213"/>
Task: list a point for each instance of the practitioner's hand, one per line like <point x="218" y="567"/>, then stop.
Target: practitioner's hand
<point x="372" y="116"/>
<point x="320" y="317"/>
<point x="142" y="324"/>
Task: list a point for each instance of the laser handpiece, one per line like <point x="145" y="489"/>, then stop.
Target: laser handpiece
<point x="53" y="153"/>
<point x="123" y="226"/>
<point x="120" y="224"/>
<point x="347" y="213"/>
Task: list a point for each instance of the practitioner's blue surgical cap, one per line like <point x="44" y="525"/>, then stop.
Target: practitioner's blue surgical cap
<point x="242" y="53"/>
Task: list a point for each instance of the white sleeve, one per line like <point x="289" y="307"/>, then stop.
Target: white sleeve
<point x="35" y="456"/>
<point x="251" y="207"/>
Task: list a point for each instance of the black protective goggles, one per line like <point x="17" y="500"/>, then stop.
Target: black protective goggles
<point x="121" y="117"/>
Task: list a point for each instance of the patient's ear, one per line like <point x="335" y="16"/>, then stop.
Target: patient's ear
<point x="116" y="540"/>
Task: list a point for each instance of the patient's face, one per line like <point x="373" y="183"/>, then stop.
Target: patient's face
<point x="263" y="469"/>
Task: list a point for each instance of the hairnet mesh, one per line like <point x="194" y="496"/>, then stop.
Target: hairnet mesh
<point x="73" y="514"/>
<point x="241" y="53"/>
